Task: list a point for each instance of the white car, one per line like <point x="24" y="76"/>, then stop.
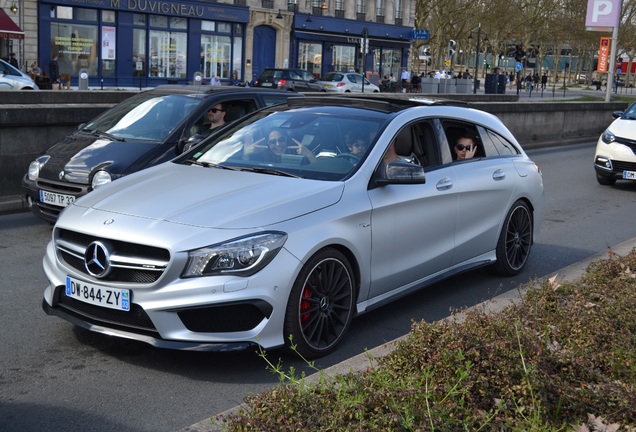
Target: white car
<point x="347" y="82"/>
<point x="279" y="230"/>
<point x="615" y="157"/>
<point x="13" y="79"/>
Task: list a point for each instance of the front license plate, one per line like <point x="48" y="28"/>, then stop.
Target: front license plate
<point x="629" y="175"/>
<point x="56" y="199"/>
<point x="112" y="298"/>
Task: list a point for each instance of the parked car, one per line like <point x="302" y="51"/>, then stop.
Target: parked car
<point x="13" y="79"/>
<point x="347" y="82"/>
<point x="581" y="79"/>
<point x="144" y="130"/>
<point x="289" y="80"/>
<point x="274" y="232"/>
<point x="615" y="157"/>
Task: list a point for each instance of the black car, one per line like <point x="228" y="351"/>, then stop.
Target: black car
<point x="289" y="80"/>
<point x="144" y="130"/>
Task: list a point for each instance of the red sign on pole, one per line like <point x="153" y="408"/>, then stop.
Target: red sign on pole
<point x="603" y="55"/>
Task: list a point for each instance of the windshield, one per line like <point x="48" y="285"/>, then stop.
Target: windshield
<point x="145" y="117"/>
<point x="630" y="114"/>
<point x="315" y="143"/>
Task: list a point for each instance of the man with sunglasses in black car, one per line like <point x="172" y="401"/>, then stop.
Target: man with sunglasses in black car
<point x="216" y="115"/>
<point x="465" y="147"/>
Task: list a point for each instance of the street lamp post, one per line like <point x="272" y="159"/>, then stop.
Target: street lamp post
<point x="470" y="37"/>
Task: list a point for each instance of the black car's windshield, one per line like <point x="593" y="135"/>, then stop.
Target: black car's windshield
<point x="314" y="143"/>
<point x="145" y="117"/>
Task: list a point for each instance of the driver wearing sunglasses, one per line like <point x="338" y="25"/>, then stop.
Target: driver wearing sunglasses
<point x="465" y="147"/>
<point x="216" y="116"/>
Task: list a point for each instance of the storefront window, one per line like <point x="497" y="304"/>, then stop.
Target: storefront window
<point x="108" y="16"/>
<point x="168" y="54"/>
<point x="139" y="53"/>
<point x="215" y="56"/>
<point x="391" y="62"/>
<point x="76" y="47"/>
<point x="310" y="57"/>
<point x="344" y="58"/>
<point x="109" y="50"/>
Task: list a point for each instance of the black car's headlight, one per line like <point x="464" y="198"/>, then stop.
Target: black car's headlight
<point x="241" y="257"/>
<point x="36" y="166"/>
<point x="608" y="137"/>
<point x="101" y="178"/>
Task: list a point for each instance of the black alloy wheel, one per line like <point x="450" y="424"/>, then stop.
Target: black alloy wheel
<point x="321" y="305"/>
<point x="515" y="241"/>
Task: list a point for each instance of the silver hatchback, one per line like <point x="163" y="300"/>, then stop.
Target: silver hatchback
<point x="299" y="217"/>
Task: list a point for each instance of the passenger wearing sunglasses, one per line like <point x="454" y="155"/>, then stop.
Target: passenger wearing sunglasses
<point x="465" y="147"/>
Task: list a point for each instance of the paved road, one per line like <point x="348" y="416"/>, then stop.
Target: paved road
<point x="54" y="377"/>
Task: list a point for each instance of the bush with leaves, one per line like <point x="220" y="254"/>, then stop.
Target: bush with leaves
<point x="563" y="358"/>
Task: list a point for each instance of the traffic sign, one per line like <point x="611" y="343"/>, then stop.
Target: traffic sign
<point x="519" y="66"/>
<point x="420" y="34"/>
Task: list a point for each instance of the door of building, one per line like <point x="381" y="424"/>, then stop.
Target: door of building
<point x="264" y="50"/>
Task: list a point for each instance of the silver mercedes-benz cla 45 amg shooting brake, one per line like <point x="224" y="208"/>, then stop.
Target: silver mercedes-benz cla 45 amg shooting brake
<point x="295" y="219"/>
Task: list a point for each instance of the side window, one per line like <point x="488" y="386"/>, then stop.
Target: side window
<point x="463" y="140"/>
<point x="425" y="145"/>
<point x="500" y="145"/>
<point x="237" y="109"/>
<point x="270" y="100"/>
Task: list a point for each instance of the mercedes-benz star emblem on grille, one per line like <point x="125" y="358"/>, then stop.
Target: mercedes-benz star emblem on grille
<point x="97" y="260"/>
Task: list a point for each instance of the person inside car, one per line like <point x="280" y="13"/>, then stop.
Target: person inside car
<point x="465" y="147"/>
<point x="216" y="116"/>
<point x="275" y="146"/>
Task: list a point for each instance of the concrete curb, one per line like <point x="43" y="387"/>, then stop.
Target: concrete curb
<point x="364" y="360"/>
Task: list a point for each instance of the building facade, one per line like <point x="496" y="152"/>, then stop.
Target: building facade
<point x="144" y="43"/>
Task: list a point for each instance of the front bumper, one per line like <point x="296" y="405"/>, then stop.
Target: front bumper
<point x="205" y="313"/>
<point x="45" y="211"/>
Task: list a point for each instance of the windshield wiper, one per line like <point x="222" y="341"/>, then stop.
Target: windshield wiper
<point x="270" y="171"/>
<point x="102" y="134"/>
<point x="212" y="165"/>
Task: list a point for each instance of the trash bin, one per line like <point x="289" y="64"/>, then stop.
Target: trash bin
<point x="83" y="79"/>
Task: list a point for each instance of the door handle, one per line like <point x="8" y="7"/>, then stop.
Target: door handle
<point x="444" y="184"/>
<point x="498" y="175"/>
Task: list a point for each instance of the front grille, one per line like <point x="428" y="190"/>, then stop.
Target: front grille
<point x="619" y="166"/>
<point x="62" y="187"/>
<point x="136" y="319"/>
<point x="131" y="262"/>
<point x="234" y="317"/>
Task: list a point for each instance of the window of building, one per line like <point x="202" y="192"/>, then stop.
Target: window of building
<point x="139" y="53"/>
<point x="343" y="58"/>
<point x="221" y="54"/>
<point x="168" y="54"/>
<point x="108" y="16"/>
<point x="76" y="47"/>
<point x="391" y="62"/>
<point x="310" y="57"/>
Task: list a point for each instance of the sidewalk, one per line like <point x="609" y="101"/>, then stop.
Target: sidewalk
<point x="361" y="361"/>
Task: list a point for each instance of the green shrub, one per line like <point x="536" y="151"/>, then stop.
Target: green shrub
<point x="563" y="358"/>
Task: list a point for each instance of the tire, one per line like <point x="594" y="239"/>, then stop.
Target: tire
<point x="515" y="241"/>
<point x="604" y="181"/>
<point x="321" y="305"/>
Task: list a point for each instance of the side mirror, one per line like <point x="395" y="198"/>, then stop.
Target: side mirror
<point x="617" y="114"/>
<point x="189" y="143"/>
<point x="400" y="172"/>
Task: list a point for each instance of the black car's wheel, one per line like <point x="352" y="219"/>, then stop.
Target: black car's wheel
<point x="605" y="181"/>
<point x="321" y="304"/>
<point x="515" y="240"/>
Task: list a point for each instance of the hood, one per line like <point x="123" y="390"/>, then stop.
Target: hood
<point x="212" y="197"/>
<point x="623" y="128"/>
<point x="79" y="154"/>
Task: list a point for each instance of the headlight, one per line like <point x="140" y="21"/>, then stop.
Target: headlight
<point x="242" y="257"/>
<point x="608" y="137"/>
<point x="100" y="179"/>
<point x="35" y="166"/>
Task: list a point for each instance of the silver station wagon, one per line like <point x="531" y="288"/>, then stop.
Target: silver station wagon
<point x="292" y="221"/>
